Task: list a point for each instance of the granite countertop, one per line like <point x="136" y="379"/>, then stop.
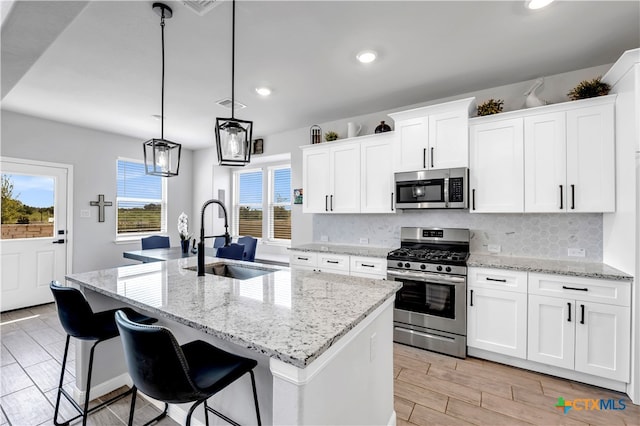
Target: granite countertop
<point x="290" y="315"/>
<point x="549" y="266"/>
<point x="365" y="251"/>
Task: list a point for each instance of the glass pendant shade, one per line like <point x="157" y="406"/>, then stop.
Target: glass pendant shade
<point x="233" y="140"/>
<point x="162" y="157"/>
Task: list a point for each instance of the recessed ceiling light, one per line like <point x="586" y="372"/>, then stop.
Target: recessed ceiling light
<point x="538" y="4"/>
<point x="263" y="91"/>
<point x="366" y="56"/>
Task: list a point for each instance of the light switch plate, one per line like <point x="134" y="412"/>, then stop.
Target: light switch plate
<point x="85" y="213"/>
<point x="324" y="238"/>
<point x="576" y="252"/>
<point x="364" y="241"/>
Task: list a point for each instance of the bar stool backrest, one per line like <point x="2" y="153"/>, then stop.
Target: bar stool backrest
<point x="155" y="361"/>
<point x="74" y="312"/>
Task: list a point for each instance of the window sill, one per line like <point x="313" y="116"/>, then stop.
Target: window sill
<point x="133" y="238"/>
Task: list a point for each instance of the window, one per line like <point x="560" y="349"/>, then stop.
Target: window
<point x="140" y="200"/>
<point x="262" y="203"/>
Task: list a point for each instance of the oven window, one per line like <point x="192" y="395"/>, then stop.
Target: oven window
<point x="427" y="298"/>
<point x="421" y="191"/>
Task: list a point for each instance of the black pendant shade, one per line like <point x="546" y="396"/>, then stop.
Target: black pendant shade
<point x="233" y="136"/>
<point x="161" y="156"/>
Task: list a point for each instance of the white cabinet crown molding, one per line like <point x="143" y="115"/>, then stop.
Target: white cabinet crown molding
<point x="469" y="103"/>
<point x="622" y="65"/>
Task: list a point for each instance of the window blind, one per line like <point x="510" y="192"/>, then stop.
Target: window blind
<point x="139" y="199"/>
<point x="250" y="203"/>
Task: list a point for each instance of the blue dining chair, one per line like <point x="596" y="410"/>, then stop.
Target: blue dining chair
<point x="232" y="251"/>
<point x="250" y="244"/>
<point x="218" y="242"/>
<point x="155" y="241"/>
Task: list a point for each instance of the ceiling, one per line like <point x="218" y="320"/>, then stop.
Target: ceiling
<point x="98" y="63"/>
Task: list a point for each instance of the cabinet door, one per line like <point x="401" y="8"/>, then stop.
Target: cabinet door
<point x="448" y="140"/>
<point x="315" y="180"/>
<point x="545" y="163"/>
<point x="411" y="145"/>
<point x="376" y="186"/>
<point x="345" y="179"/>
<point x="497" y="321"/>
<point x="602" y="340"/>
<point x="551" y="331"/>
<point x="591" y="159"/>
<point x="496" y="167"/>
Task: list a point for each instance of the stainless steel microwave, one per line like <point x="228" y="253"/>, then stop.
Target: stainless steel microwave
<point x="432" y="189"/>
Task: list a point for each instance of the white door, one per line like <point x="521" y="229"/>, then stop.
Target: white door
<point x="496" y="167"/>
<point x="497" y="321"/>
<point x="602" y="340"/>
<point x="315" y="180"/>
<point x="545" y="163"/>
<point x="34" y="231"/>
<point x="376" y="194"/>
<point x="448" y="140"/>
<point x="411" y="149"/>
<point x="591" y="159"/>
<point x="551" y="331"/>
<point x="345" y="179"/>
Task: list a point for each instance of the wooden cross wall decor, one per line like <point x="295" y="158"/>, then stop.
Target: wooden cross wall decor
<point x="101" y="204"/>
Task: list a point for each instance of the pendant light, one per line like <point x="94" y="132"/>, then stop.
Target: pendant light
<point x="233" y="136"/>
<point x="161" y="156"/>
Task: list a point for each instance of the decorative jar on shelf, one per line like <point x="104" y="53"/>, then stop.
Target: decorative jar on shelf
<point x="382" y="127"/>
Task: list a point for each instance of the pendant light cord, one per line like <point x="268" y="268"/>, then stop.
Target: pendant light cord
<point x="233" y="56"/>
<point x="162" y="96"/>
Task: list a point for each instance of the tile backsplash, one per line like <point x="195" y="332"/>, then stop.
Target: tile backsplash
<point x="528" y="235"/>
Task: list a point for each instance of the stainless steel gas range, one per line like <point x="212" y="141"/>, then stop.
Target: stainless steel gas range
<point x="430" y="308"/>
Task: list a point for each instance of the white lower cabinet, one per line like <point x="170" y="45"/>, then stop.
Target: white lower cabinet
<point x="497" y="311"/>
<point x="357" y="266"/>
<point x="580" y="324"/>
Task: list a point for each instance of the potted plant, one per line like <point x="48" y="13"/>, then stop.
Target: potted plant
<point x="492" y="106"/>
<point x="589" y="89"/>
<point x="183" y="230"/>
<point x="330" y="136"/>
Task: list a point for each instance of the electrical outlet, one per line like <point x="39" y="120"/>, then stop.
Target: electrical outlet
<point x="364" y="241"/>
<point x="324" y="238"/>
<point x="493" y="248"/>
<point x="85" y="213"/>
<point x="576" y="252"/>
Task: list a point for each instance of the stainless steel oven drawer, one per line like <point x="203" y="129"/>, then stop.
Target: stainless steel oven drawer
<point x="432" y="340"/>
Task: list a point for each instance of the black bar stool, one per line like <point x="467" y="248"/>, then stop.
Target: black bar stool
<point x="79" y="320"/>
<point x="168" y="372"/>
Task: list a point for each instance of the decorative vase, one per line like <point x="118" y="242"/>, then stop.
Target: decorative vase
<point x="381" y="128"/>
<point x="185" y="245"/>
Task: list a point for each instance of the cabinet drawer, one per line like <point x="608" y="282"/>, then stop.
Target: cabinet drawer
<point x="333" y="262"/>
<point x="498" y="279"/>
<point x="303" y="258"/>
<point x="587" y="289"/>
<point x="368" y="265"/>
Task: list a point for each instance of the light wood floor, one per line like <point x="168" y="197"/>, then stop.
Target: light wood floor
<point x="429" y="388"/>
<point x="434" y="389"/>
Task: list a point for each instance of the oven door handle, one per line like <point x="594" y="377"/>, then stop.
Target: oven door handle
<point x="426" y="277"/>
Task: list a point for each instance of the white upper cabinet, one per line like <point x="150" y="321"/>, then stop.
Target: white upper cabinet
<point x="331" y="178"/>
<point x="591" y="157"/>
<point x="433" y="137"/>
<point x="376" y="183"/>
<point x="496" y="166"/>
<point x="569" y="158"/>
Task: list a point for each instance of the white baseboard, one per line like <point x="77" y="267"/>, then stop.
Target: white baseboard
<point x="103" y="388"/>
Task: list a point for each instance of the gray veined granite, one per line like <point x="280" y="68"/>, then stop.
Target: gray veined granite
<point x="549" y="266"/>
<point x="290" y="315"/>
<point x="364" y="251"/>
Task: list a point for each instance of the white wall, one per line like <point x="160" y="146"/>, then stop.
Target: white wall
<point x="93" y="155"/>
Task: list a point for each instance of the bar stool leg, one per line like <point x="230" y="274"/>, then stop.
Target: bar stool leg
<point x="133" y="405"/>
<point x="86" y="398"/>
<point x="64" y="363"/>
<point x="255" y="397"/>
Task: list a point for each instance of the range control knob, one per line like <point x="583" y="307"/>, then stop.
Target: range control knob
<point x="448" y="269"/>
<point x="439" y="268"/>
<point x="423" y="266"/>
<point x="407" y="265"/>
<point x="399" y="264"/>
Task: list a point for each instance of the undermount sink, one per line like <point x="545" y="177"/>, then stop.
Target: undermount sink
<point x="232" y="270"/>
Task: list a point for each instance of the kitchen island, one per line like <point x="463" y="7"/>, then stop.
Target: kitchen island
<point x="323" y="342"/>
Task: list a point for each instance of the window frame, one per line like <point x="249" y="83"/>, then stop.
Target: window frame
<point x="267" y="202"/>
<point x="271" y="203"/>
<point x="133" y="236"/>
